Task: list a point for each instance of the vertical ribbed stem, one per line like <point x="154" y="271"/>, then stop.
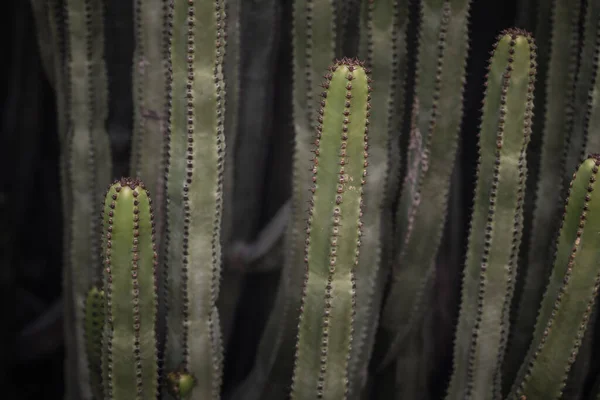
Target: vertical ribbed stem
<point x="194" y="174"/>
<point x="129" y="348"/>
<point x="333" y="236"/>
<point x="495" y="234"/>
<point x="150" y="105"/>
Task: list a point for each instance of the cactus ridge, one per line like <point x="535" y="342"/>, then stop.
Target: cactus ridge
<point x="94" y="324"/>
<point x="495" y="231"/>
<point x="333" y="235"/>
<point x="569" y="300"/>
<point x="131" y="303"/>
<point x="194" y="179"/>
<point x="421" y="209"/>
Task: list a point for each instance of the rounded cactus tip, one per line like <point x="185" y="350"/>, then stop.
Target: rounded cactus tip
<point x="351" y="63"/>
<point x="130" y="182"/>
<point x="514" y="32"/>
<point x="180" y="384"/>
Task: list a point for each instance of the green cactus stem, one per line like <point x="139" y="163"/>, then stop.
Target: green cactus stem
<point x="129" y="348"/>
<point x="94" y="324"/>
<point x="383" y="27"/>
<point x="150" y="105"/>
<point x="560" y="84"/>
<point x="86" y="149"/>
<point x="194" y="174"/>
<point x="496" y="223"/>
<point x="333" y="236"/>
<point x="570" y="295"/>
<point x="421" y="212"/>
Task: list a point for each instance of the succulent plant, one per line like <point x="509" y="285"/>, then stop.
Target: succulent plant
<point x="496" y="223"/>
<point x="333" y="235"/>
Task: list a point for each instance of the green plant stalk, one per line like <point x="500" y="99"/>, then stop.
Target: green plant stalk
<point x="194" y="173"/>
<point x="333" y="236"/>
<point x="314" y="48"/>
<point x="572" y="290"/>
<point x="383" y="27"/>
<point x="86" y="143"/>
<point x="560" y="83"/>
<point x="494" y="239"/>
<point x="421" y="213"/>
<point x="94" y="324"/>
<point x="150" y="105"/>
<point x="129" y="347"/>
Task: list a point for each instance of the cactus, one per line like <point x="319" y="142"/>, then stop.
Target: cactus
<point x="193" y="179"/>
<point x="570" y="295"/>
<point x="333" y="235"/>
<point x="129" y="348"/>
<point x="150" y="105"/>
<point x="496" y="223"/>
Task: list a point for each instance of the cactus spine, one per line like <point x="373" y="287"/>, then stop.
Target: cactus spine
<point x="491" y="265"/>
<point x="569" y="298"/>
<point x="194" y="172"/>
<point x="129" y="350"/>
<point x="333" y="236"/>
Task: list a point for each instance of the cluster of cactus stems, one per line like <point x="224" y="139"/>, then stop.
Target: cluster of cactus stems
<point x="366" y="222"/>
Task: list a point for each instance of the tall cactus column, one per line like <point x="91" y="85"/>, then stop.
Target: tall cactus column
<point x="129" y="352"/>
<point x="333" y="236"/>
<point x="496" y="223"/>
<point x="194" y="172"/>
